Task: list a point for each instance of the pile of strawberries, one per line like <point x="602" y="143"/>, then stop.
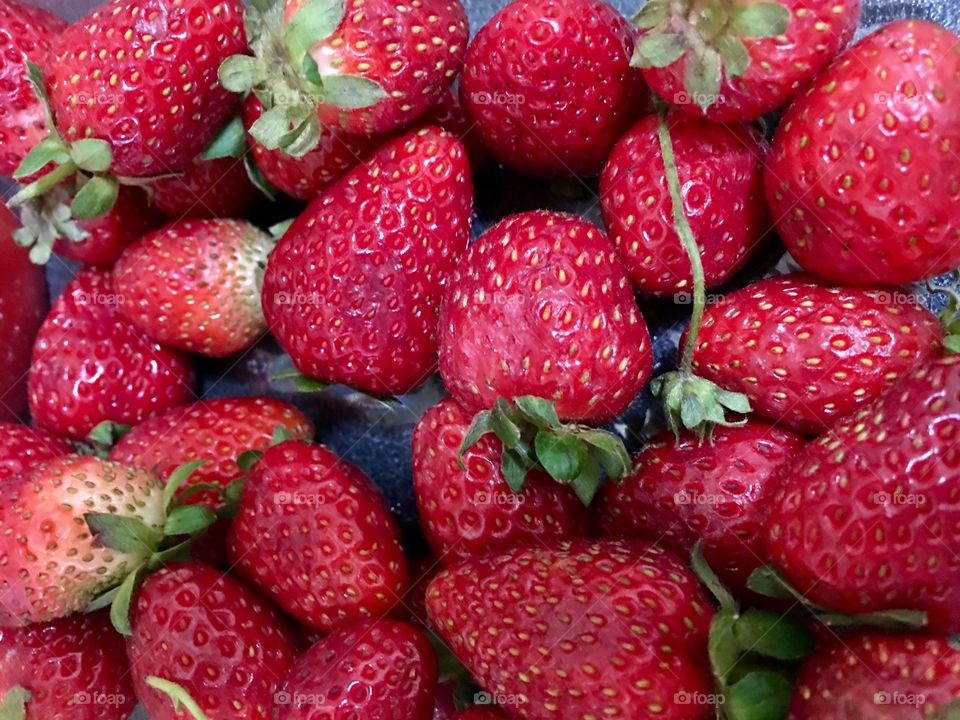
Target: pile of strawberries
<point x="784" y="546"/>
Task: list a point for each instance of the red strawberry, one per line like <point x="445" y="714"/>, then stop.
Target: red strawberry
<point x="739" y="61"/>
<point x="373" y="69"/>
<point x="215" y="431"/>
<point x="450" y="114"/>
<point x="22" y="447"/>
<point x="867" y="519"/>
<point x="103" y="239"/>
<point x="871" y="675"/>
<point x="306" y="177"/>
<point x="74" y="669"/>
<point x="207" y="189"/>
<point x="806" y="353"/>
<point x="25" y="34"/>
<point x="480" y="713"/>
<point x="607" y="629"/>
<point x="862" y="177"/>
<point x="51" y="563"/>
<point x="720" y="168"/>
<point x="541" y="306"/>
<point x="90" y="366"/>
<point x="351" y="290"/>
<point x="195" y="285"/>
<point x="215" y="641"/>
<point x="386" y="670"/>
<point x="550" y="87"/>
<point x="467" y="512"/>
<point x="315" y="534"/>
<point x="23" y="304"/>
<point x="149" y="67"/>
<point x="682" y="491"/>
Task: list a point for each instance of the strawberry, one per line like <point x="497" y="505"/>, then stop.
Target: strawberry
<point x="472" y="510"/>
<point x="385" y="670"/>
<point x="307" y="176"/>
<point x="364" y="69"/>
<point x="53" y="562"/>
<point x="73" y="669"/>
<point x="352" y="287"/>
<point x="806" y="353"/>
<point x="202" y="640"/>
<point x="480" y="713"/>
<point x="217" y="432"/>
<point x="875" y="675"/>
<point x="25" y="34"/>
<point x="738" y="61"/>
<point x="682" y="491"/>
<point x="195" y="285"/>
<point x="23" y="304"/>
<point x="315" y="534"/>
<point x="22" y="447"/>
<point x="150" y="66"/>
<point x="721" y="169"/>
<point x="587" y="629"/>
<point x="206" y="189"/>
<point x="550" y="87"/>
<point x="451" y="115"/>
<point x="862" y="175"/>
<point x="867" y="518"/>
<point x="90" y="366"/>
<point x="541" y="306"/>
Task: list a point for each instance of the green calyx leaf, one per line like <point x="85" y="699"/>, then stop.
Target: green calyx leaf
<point x="188" y="520"/>
<point x="736" y="58"/>
<point x="759" y="695"/>
<point x="178" y="696"/>
<point x="241" y="73"/>
<point x="950" y="318"/>
<point x="302" y="383"/>
<point x="248" y="459"/>
<point x="351" y="92"/>
<point x="315" y="21"/>
<point x="658" y="50"/>
<point x="280" y="229"/>
<point x="653" y="13"/>
<point x="534" y="438"/>
<point x="122" y="600"/>
<point x="760" y="20"/>
<point x="107" y="433"/>
<point x="177" y="480"/>
<point x="770" y="582"/>
<point x="39" y="85"/>
<point x="230" y="142"/>
<point x="257" y="178"/>
<point x="13" y="706"/>
<point x="124" y="534"/>
<point x="280" y="435"/>
<point x="95" y="198"/>
<point x="45" y="220"/>
<point x="49" y="150"/>
<point x="697" y="404"/>
<point x="92" y="155"/>
<point x="703" y="78"/>
<point x="782" y="637"/>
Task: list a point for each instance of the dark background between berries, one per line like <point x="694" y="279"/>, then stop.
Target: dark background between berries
<point x="376" y="435"/>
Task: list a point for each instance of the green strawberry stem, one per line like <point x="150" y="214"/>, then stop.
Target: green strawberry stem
<point x="13" y="706"/>
<point x="45" y="184"/>
<point x="178" y="695"/>
<point x="534" y="439"/>
<point x="753" y="653"/>
<point x="689" y="401"/>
